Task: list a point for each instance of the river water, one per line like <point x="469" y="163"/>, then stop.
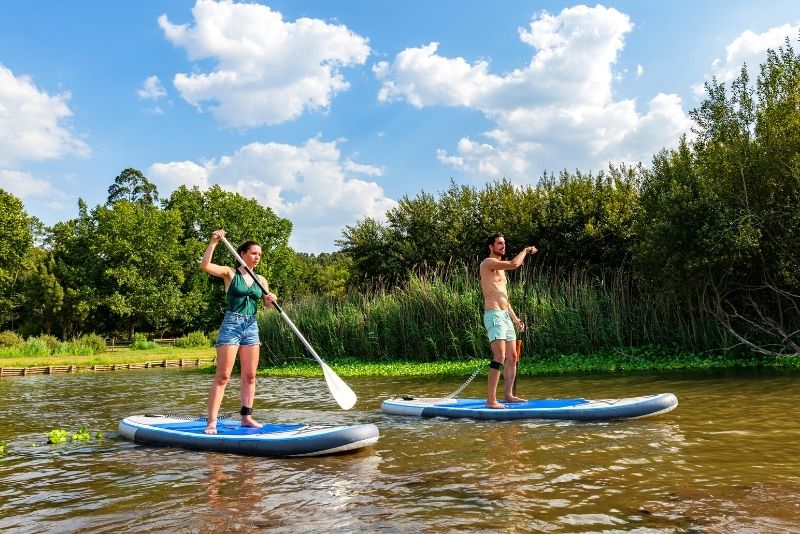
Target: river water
<point x="726" y="460"/>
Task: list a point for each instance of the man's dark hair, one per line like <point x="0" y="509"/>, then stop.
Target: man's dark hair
<point x="492" y="238"/>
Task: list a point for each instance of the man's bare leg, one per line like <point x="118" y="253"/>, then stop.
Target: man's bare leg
<point x="510" y="373"/>
<point x="499" y="356"/>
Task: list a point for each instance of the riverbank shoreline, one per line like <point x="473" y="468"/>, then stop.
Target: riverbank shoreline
<point x="62" y="369"/>
<point x="534" y="365"/>
<point x="631" y="360"/>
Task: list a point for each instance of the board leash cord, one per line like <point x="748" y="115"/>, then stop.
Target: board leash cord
<point x="227" y="415"/>
<point x="465" y="384"/>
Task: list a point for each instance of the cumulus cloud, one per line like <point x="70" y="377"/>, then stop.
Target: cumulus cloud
<point x="33" y="123"/>
<point x="312" y="185"/>
<point x="748" y="48"/>
<point x="557" y="111"/>
<point x="151" y="89"/>
<point x="24" y="185"/>
<point x="267" y="70"/>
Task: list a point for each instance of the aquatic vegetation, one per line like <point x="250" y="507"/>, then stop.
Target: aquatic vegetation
<point x="57" y="436"/>
<point x="3" y="447"/>
<point x="82" y="434"/>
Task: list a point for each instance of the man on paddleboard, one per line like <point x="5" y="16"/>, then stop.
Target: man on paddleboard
<point x="499" y="317"/>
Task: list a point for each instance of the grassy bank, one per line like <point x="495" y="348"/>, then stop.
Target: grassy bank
<point x="641" y="359"/>
<point x="107" y="358"/>
<point x="634" y="360"/>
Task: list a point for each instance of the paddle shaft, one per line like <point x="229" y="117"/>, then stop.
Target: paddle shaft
<point x="340" y="391"/>
<point x="519" y="340"/>
<point x="274" y="304"/>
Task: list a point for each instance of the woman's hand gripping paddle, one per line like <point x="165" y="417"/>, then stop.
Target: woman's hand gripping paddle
<point x="340" y="391"/>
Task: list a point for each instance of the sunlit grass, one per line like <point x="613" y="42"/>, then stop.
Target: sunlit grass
<point x="119" y="356"/>
<point x="633" y="360"/>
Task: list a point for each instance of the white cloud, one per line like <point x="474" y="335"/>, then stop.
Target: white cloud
<point x="151" y="89"/>
<point x="748" y="48"/>
<point x="33" y="123"/>
<point x="267" y="70"/>
<point x="172" y="175"/>
<point x="557" y="111"/>
<point x="312" y="185"/>
<point x="24" y="185"/>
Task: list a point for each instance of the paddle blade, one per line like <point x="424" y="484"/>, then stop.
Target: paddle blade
<point x="341" y="392"/>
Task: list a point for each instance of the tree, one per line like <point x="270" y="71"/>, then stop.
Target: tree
<point x="199" y="214"/>
<point x="43" y="293"/>
<point x="14" y="246"/>
<point x="79" y="273"/>
<point x="720" y="223"/>
<point x="366" y="243"/>
<point x="138" y="249"/>
<point x="131" y="185"/>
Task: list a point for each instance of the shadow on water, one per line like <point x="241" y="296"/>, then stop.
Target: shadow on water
<point x="726" y="460"/>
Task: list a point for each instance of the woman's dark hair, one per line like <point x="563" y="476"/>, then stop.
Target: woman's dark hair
<point x="244" y="247"/>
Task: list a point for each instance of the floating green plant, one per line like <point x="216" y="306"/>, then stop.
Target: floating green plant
<point x="82" y="434"/>
<point x="57" y="436"/>
<point x="3" y="447"/>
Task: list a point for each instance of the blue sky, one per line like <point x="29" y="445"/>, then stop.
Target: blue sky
<point x="332" y="110"/>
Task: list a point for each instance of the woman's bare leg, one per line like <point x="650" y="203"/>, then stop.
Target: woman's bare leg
<point x="248" y="358"/>
<point x="226" y="356"/>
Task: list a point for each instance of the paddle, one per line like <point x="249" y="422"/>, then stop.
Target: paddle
<point x="519" y="339"/>
<point x="340" y="391"/>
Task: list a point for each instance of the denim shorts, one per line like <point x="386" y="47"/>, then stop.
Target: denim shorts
<point x="498" y="325"/>
<point x="238" y="329"/>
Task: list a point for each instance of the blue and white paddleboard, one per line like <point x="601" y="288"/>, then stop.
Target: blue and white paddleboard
<point x="566" y="409"/>
<point x="269" y="440"/>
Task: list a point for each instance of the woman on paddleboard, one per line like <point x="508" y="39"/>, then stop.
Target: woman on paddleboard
<point x="239" y="329"/>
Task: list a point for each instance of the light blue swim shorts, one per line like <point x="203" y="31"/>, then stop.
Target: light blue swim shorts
<point x="498" y="325"/>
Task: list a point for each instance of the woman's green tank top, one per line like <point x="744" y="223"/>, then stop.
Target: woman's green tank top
<point x="243" y="299"/>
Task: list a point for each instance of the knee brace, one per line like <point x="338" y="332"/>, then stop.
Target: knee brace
<point x="246" y="411"/>
<point x="495" y="365"/>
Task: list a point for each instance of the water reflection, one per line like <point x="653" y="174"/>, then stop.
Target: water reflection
<point x="727" y="460"/>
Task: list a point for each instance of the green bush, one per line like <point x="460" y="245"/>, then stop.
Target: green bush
<point x="10" y="339"/>
<point x="140" y="342"/>
<point x="34" y="346"/>
<point x="192" y="340"/>
<point x="96" y="342"/>
<point x="73" y="348"/>
<point x="52" y="341"/>
<point x="212" y="337"/>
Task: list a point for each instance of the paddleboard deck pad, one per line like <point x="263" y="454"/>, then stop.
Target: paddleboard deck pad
<point x="565" y="409"/>
<point x="280" y="440"/>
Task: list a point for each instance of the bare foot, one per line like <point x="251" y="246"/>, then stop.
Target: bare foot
<point x="248" y="421"/>
<point x="211" y="427"/>
<point x="512" y="398"/>
<point x="495" y="405"/>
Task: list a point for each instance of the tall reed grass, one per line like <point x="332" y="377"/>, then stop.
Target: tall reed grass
<point x="437" y="316"/>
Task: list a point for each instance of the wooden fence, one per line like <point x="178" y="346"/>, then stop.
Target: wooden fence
<point x="57" y="369"/>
